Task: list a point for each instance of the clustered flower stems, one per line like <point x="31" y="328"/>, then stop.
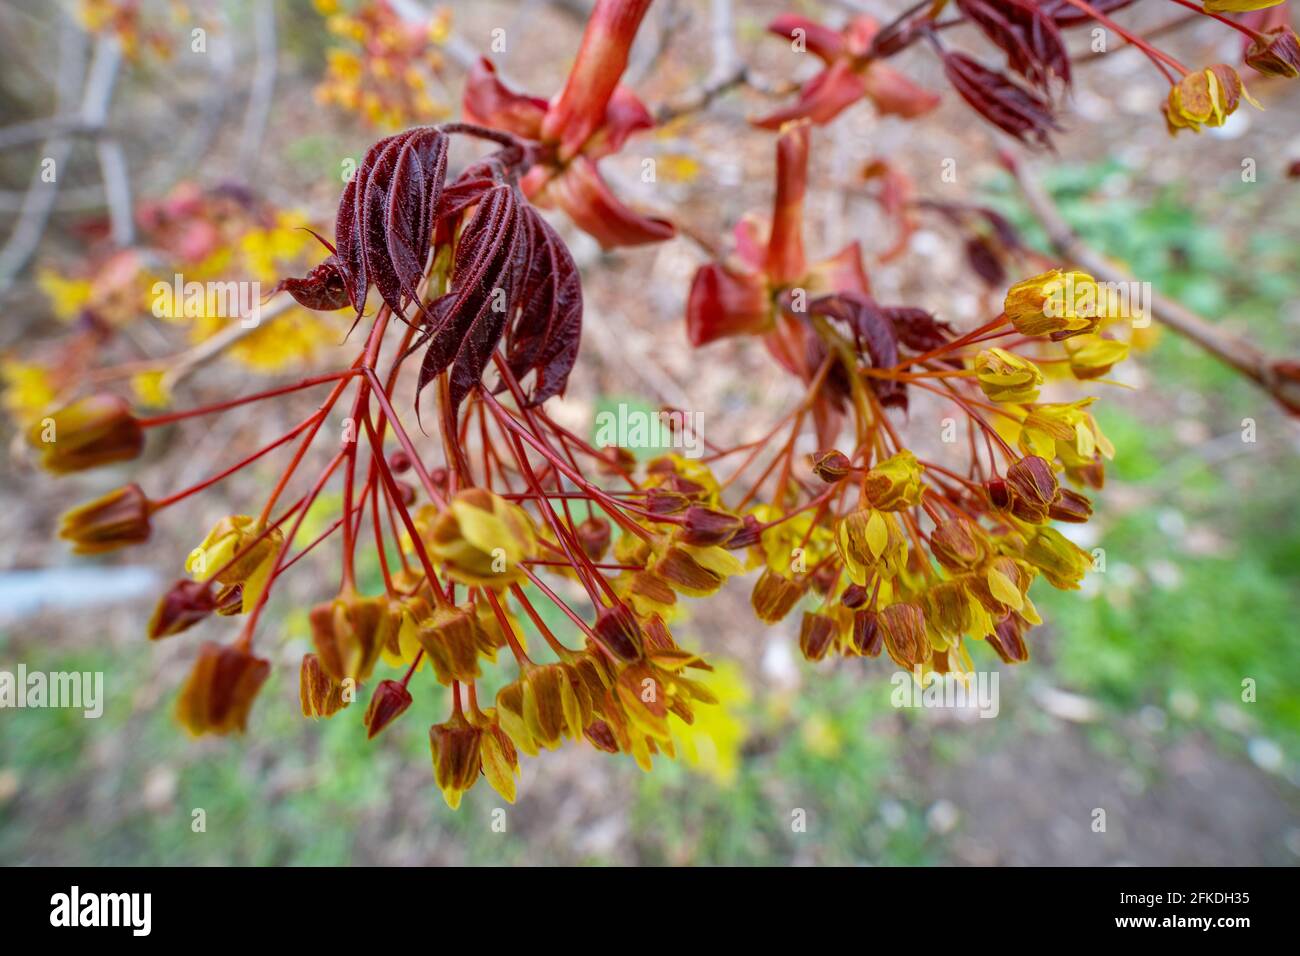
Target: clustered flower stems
<point x="506" y="511"/>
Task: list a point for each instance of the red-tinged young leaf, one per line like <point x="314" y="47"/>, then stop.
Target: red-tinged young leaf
<point x="481" y="296"/>
<point x="874" y="335"/>
<point x="546" y="335"/>
<point x="1029" y="37"/>
<point x="1000" y="100"/>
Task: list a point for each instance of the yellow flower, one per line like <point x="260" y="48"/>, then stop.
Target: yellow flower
<point x="1091" y="356"/>
<point x="871" y="542"/>
<point x="28" y="390"/>
<point x="711" y="745"/>
<point x="67" y="296"/>
<point x="1006" y="377"/>
<point x="150" y="389"/>
<point x="895" y="483"/>
<point x="251" y="570"/>
<point x="483" y="539"/>
<point x="1207" y="97"/>
<point x="1054" y="303"/>
<point x="1064" y="431"/>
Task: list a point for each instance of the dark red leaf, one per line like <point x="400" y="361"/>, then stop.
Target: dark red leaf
<point x="1000" y="100"/>
<point x="323" y="288"/>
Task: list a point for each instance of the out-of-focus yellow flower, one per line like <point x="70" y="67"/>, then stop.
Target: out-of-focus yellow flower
<point x="268" y="251"/>
<point x="711" y="745"/>
<point x="150" y="389"/>
<point x="28" y="390"/>
<point x="1092" y="356"/>
<point x="67" y="296"/>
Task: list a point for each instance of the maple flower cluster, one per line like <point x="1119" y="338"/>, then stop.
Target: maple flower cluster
<point x="516" y="555"/>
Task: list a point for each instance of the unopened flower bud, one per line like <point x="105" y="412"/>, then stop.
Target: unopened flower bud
<point x="1034" y="488"/>
<point x="118" y="519"/>
<point x="1072" y="507"/>
<point x="831" y="466"/>
<point x="868" y="639"/>
<point x="184" y="605"/>
<point x="816" y="635"/>
<point x="319" y="694"/>
<point x="94" y="431"/>
<point x="594" y="535"/>
<point x="399" y="461"/>
<point x="617" y="629"/>
<point x="220" y="690"/>
<point x="774" y="596"/>
<point x="1007" y="640"/>
<point x="903" y="626"/>
<point x="708" y="526"/>
<point x="389" y="702"/>
<point x="854" y="596"/>
<point x="1276" y="55"/>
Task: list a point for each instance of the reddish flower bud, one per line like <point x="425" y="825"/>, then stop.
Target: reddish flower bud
<point x="220" y="690"/>
<point x="594" y="535"/>
<point x="750" y="534"/>
<point x="399" y="461"/>
<point x="389" y="702"/>
<point x="187" y="603"/>
<point x="1071" y="506"/>
<point x="854" y="596"/>
<point x="118" y="519"/>
<point x="708" y="526"/>
<point x="318" y="693"/>
<point x="1007" y="640"/>
<point x="617" y="630"/>
<point x="601" y="737"/>
<point x="904" y="633"/>
<point x="816" y="635"/>
<point x="831" y="466"/>
<point x="774" y="596"/>
<point x="94" y="431"/>
<point x="1034" y="488"/>
<point x="868" y="639"/>
<point x="999" y="494"/>
<point x="1279" y="55"/>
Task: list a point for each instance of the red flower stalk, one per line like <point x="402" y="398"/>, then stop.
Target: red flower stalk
<point x="591" y="118"/>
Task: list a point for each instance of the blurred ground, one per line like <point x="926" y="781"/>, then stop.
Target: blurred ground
<point x="1132" y="703"/>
